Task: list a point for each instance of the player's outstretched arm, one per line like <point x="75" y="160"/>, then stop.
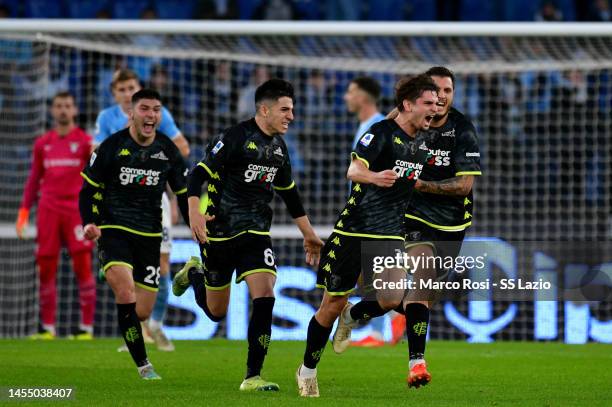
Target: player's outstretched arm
<point x="358" y="172"/>
<point x="456" y="186"/>
<point x="312" y="242"/>
<point x="182" y="144"/>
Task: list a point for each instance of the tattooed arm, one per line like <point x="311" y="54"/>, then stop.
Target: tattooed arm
<point x="456" y="186"/>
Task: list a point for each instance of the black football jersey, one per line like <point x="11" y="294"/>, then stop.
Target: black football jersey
<point x="245" y="166"/>
<point x="133" y="179"/>
<point x="453" y="152"/>
<point x="372" y="211"/>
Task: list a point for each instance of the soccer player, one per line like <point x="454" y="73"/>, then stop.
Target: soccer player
<point x="58" y="157"/>
<point x="120" y="204"/>
<point x="361" y="98"/>
<point x="385" y="166"/>
<point x="439" y="212"/>
<point x="110" y="120"/>
<point x="243" y="166"/>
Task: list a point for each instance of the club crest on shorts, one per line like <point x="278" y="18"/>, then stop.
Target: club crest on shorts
<point x="414" y="236"/>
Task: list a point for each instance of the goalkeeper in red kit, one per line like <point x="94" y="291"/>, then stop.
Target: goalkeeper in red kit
<point x="55" y="181"/>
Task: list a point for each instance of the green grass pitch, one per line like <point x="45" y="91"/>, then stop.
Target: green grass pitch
<point x="209" y="373"/>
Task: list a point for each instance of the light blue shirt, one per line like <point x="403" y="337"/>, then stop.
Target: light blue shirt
<point x="113" y="119"/>
<point x="365" y="125"/>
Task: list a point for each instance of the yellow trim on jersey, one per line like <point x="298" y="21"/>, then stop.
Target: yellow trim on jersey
<point x="146" y="287"/>
<point x="223" y="287"/>
<point x="126" y="229"/>
<point x="285" y="188"/>
<point x="255" y="232"/>
<point x="390" y="237"/>
<point x="213" y="175"/>
<point x="335" y="293"/>
<point x="468" y="173"/>
<point x="254" y="271"/>
<point x="116" y="263"/>
<point x="355" y="155"/>
<point x="182" y="191"/>
<point x="457" y="228"/>
<point x="89" y="180"/>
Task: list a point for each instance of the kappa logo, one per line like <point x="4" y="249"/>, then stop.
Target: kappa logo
<point x="423" y="146"/>
<point x="160" y="156"/>
<point x="124" y="152"/>
<point x="252" y="146"/>
<point x="278" y="151"/>
<point x="217" y="147"/>
<point x="366" y="139"/>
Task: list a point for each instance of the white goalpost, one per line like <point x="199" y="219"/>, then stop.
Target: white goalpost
<point x="540" y="95"/>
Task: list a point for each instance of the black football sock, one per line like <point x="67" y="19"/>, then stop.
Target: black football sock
<point x="365" y="310"/>
<point x="315" y="343"/>
<point x="417" y="323"/>
<point x="196" y="279"/>
<point x="129" y="324"/>
<point x="260" y="328"/>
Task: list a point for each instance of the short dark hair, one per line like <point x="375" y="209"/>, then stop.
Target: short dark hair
<point x="122" y="75"/>
<point x="412" y="88"/>
<point x="62" y="95"/>
<point x="273" y="89"/>
<point x="368" y="85"/>
<point x="441" y="71"/>
<point x="146" y="93"/>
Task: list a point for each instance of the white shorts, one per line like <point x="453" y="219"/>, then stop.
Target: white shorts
<point x="166" y="244"/>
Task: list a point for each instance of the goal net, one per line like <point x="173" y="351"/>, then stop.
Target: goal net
<point x="541" y="103"/>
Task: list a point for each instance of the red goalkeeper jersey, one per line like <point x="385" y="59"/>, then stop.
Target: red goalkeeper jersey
<point x="56" y="165"/>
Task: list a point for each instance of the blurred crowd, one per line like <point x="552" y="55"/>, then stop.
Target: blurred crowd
<point x="349" y="10"/>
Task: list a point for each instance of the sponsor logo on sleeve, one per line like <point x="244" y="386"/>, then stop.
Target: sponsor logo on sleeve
<point x="92" y="159"/>
<point x="217" y="147"/>
<point x="366" y="139"/>
<point x="472" y="154"/>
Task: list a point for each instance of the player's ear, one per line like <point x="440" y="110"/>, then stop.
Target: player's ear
<point x="407" y="105"/>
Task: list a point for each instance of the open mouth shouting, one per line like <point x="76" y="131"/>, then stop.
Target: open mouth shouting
<point x="148" y="127"/>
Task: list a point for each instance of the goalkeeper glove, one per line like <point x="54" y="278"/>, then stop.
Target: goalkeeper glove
<point x="22" y="221"/>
